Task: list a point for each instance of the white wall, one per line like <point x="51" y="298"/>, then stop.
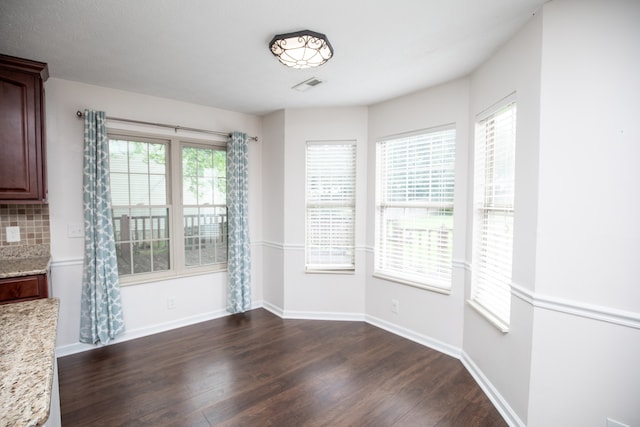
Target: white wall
<point x="145" y="308"/>
<point x="273" y="210"/>
<point x="427" y="316"/>
<point x="313" y="294"/>
<point x="589" y="153"/>
<point x="585" y="369"/>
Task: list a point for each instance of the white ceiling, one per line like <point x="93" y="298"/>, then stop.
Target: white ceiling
<point x="215" y="52"/>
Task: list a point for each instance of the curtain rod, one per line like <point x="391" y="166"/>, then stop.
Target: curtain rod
<point x="176" y="128"/>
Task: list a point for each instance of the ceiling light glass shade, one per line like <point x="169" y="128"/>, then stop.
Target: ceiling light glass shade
<point x="302" y="49"/>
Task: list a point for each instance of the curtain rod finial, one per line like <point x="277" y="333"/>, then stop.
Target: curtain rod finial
<point x="79" y="114"/>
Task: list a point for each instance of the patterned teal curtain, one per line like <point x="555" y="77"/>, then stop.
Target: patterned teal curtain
<point x="101" y="316"/>
<point x="239" y="258"/>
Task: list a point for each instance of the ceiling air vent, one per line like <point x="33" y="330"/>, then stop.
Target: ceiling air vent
<point x="307" y="84"/>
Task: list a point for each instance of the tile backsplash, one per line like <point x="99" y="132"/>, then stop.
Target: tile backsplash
<point x="33" y="221"/>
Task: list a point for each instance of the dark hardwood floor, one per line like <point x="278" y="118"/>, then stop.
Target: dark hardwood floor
<point x="256" y="369"/>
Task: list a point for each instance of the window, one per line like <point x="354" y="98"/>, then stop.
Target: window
<point x="415" y="177"/>
<point x="141" y="204"/>
<point x="493" y="197"/>
<point x="156" y="233"/>
<point x="330" y="206"/>
<point x="204" y="201"/>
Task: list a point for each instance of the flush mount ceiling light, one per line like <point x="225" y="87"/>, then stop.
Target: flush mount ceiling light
<point x="302" y="49"/>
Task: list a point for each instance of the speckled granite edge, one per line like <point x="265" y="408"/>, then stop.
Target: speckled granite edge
<point x="24" y="251"/>
<point x="16" y="267"/>
<point x="27" y="353"/>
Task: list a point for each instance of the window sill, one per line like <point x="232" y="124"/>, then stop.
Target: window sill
<point x="426" y="287"/>
<point x="319" y="271"/>
<point x="159" y="277"/>
<point x="497" y="323"/>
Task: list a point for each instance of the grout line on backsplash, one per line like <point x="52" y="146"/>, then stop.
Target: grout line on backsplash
<point x="33" y="221"/>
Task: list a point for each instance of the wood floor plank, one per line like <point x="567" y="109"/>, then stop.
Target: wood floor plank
<point x="257" y="369"/>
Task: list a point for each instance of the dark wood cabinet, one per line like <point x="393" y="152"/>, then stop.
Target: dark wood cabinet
<point x="22" y="131"/>
<point x="23" y="288"/>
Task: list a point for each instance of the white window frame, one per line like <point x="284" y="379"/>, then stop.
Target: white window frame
<point x="433" y="224"/>
<point x="174" y="195"/>
<point x="336" y="212"/>
<point x="494" y="212"/>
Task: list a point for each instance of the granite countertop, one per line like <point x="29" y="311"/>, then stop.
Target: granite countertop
<point x="27" y="355"/>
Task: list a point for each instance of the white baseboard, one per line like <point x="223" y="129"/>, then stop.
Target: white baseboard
<point x="312" y="315"/>
<point x="359" y="317"/>
<point x="323" y="315"/>
<point x="78" y="347"/>
<point x="424" y="340"/>
<point x="273" y="309"/>
<point x="503" y="407"/>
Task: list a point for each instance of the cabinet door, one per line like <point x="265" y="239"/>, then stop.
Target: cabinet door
<point x="23" y="288"/>
<point x="21" y="162"/>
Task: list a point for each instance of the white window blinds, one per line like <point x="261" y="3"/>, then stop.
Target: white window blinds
<point x="330" y="206"/>
<point x="494" y="180"/>
<point x="414" y="208"/>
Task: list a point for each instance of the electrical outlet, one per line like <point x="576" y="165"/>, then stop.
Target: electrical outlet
<point x="395" y="306"/>
<point x="13" y="234"/>
<point x="171" y="303"/>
